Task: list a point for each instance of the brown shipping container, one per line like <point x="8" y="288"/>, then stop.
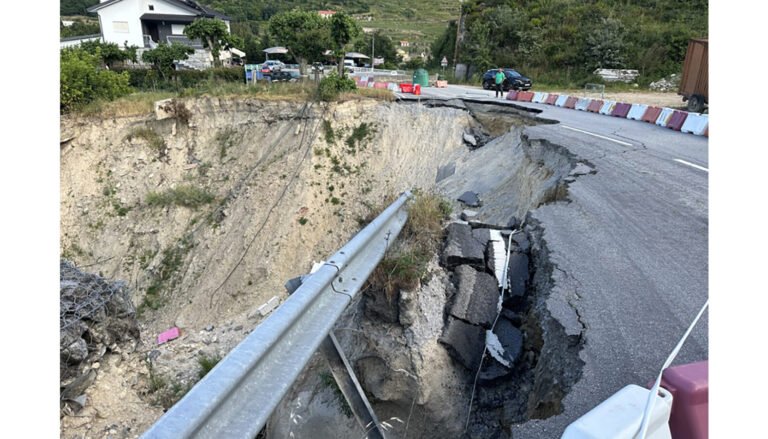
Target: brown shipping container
<point x="694" y="85"/>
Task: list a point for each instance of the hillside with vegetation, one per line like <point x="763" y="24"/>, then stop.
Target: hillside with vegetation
<point x="554" y="41"/>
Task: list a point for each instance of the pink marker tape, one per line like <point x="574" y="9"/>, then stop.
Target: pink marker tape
<point x="168" y="335"/>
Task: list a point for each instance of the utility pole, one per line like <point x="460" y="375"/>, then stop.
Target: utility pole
<point x="373" y="52"/>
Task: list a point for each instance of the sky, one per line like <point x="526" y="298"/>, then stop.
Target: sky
<point x="30" y="221"/>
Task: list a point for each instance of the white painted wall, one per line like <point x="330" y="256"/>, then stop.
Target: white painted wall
<point x="73" y="43"/>
<point x="161" y="7"/>
<point x="126" y="13"/>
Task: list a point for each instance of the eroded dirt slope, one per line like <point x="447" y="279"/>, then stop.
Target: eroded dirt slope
<point x="265" y="189"/>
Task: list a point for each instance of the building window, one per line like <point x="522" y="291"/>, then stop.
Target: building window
<point x="177" y="29"/>
<point x="120" y="27"/>
<point x="151" y="7"/>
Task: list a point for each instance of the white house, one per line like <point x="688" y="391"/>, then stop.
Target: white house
<point x="146" y="23"/>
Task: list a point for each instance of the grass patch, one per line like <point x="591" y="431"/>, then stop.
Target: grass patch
<point x="330" y="382"/>
<point x="225" y="139"/>
<point x="206" y="363"/>
<point x="154" y="140"/>
<point x="183" y="195"/>
<point x="359" y="135"/>
<point x="164" y="275"/>
<point x="164" y="391"/>
<point x="132" y="105"/>
<point x="405" y="264"/>
<point x="303" y="221"/>
<point x="330" y="136"/>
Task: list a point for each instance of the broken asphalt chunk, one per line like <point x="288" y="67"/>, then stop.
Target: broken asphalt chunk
<point x="470" y="198"/>
<point x="461" y="248"/>
<point x="477" y="297"/>
<point x="464" y="342"/>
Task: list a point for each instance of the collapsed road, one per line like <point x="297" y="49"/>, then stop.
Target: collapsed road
<point x="629" y="247"/>
<point x="615" y="230"/>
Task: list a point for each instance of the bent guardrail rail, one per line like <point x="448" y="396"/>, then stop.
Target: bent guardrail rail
<point x="235" y="399"/>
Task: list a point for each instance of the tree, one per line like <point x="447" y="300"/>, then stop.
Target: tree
<point x="82" y="80"/>
<point x="163" y="56"/>
<point x="213" y="33"/>
<point x="110" y="53"/>
<point x="304" y="33"/>
<point x="343" y="30"/>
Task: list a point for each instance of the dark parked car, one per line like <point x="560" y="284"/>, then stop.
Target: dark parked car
<point x="285" y="75"/>
<point x="514" y="81"/>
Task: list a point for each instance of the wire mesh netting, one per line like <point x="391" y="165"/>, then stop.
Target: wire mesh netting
<point x="86" y="295"/>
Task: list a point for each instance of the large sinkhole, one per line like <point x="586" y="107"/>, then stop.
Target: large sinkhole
<point x="278" y="185"/>
<point x="450" y="357"/>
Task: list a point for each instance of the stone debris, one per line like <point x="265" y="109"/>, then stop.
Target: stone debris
<point x="470" y="140"/>
<point x="467" y="214"/>
<point x="445" y="171"/>
<point x="462" y="248"/>
<point x="269" y="306"/>
<point x="470" y="198"/>
<point x="670" y="83"/>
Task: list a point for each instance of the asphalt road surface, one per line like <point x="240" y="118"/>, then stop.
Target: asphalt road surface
<point x="631" y="249"/>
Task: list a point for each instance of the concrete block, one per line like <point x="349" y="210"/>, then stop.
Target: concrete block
<point x="269" y="306"/>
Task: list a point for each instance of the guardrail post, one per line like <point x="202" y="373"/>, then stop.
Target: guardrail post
<point x="347" y="381"/>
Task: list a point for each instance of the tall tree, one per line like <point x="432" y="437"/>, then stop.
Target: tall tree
<point x="213" y="33"/>
<point x="343" y="30"/>
<point x="163" y="56"/>
<point x="304" y="33"/>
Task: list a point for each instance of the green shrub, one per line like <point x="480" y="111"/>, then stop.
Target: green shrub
<point x="82" y="80"/>
<point x="184" y="195"/>
<point x="207" y="364"/>
<point x="332" y="85"/>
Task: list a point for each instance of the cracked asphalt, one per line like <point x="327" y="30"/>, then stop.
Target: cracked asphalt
<point x="630" y="250"/>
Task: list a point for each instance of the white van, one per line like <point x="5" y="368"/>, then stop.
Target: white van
<point x="349" y="64"/>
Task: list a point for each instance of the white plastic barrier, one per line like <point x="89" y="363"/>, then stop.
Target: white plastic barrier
<point x="392" y="86"/>
<point x="620" y="416"/>
<point x="695" y="123"/>
<point x="582" y="104"/>
<point x="607" y="107"/>
<point x="664" y="116"/>
<point x="637" y="111"/>
<point x="561" y="100"/>
<point x="539" y="97"/>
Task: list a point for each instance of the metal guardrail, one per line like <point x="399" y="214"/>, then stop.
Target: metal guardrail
<point x="235" y="399"/>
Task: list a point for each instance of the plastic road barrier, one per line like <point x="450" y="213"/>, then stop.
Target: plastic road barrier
<point x="561" y="100"/>
<point x="417" y="89"/>
<point x="696" y="124"/>
<point x="525" y="96"/>
<point x="621" y="110"/>
<point x="539" y="97"/>
<point x="637" y="111"/>
<point x="583" y="103"/>
<point x="651" y="114"/>
<point x="551" y="99"/>
<point x="380" y="85"/>
<point x="595" y="105"/>
<point x="620" y="416"/>
<point x="677" y="120"/>
<point x="571" y="102"/>
<point x="664" y="116"/>
<point x="406" y="87"/>
<point x="689" y="386"/>
<point x="607" y="107"/>
<point x="512" y="95"/>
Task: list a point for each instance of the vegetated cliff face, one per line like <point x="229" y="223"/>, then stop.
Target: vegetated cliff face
<point x="205" y="215"/>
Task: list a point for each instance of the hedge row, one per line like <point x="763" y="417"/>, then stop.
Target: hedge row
<point x="150" y="79"/>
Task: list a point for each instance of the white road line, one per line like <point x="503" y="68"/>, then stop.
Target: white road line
<point x="596" y="135"/>
<point x="692" y="165"/>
